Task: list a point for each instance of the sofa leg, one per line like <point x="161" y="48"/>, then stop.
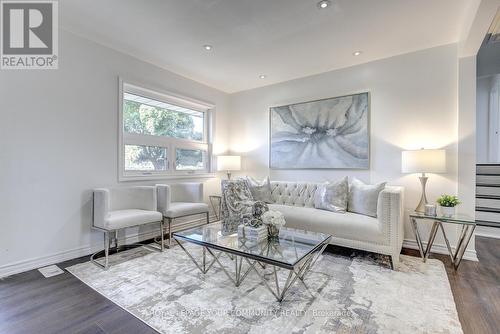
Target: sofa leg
<point x="394" y="261"/>
<point x="208" y="217"/>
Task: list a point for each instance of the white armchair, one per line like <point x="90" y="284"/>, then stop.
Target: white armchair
<point x="180" y="200"/>
<point x="119" y="208"/>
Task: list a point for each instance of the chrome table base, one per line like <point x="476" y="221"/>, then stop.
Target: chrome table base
<point x="456" y="256"/>
<point x="216" y="203"/>
<point x="297" y="272"/>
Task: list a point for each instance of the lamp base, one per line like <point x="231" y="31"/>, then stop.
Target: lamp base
<point x="423" y="199"/>
<point x="228" y="175"/>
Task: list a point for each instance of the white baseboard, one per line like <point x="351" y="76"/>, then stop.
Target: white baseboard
<point x="488" y="232"/>
<point x="25" y="265"/>
<point x="34" y="263"/>
<point x="42" y="261"/>
<point x="440" y="249"/>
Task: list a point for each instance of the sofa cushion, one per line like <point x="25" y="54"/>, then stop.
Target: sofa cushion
<point x="261" y="190"/>
<point x="347" y="225"/>
<point x="332" y="196"/>
<point x="363" y="198"/>
<point x="179" y="209"/>
<point x="131" y="217"/>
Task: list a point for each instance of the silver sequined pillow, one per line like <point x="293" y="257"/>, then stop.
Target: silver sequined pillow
<point x="363" y="198"/>
<point x="332" y="196"/>
<point x="261" y="191"/>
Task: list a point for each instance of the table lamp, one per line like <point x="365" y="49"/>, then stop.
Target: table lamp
<point x="423" y="161"/>
<point x="228" y="163"/>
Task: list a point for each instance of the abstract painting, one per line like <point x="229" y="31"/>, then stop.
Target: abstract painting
<point x="329" y="133"/>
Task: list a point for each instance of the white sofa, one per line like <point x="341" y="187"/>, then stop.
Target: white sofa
<point x="383" y="234"/>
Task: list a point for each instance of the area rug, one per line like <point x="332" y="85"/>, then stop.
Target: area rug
<point x="347" y="294"/>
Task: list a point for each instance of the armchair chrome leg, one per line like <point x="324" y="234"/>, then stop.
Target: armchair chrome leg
<point x="160" y="241"/>
<point x="169" y="222"/>
<point x="162" y="230"/>
<point x="115" y="237"/>
<point x="106" y="250"/>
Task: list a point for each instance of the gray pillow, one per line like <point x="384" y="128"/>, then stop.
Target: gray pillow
<point x="261" y="191"/>
<point x="332" y="196"/>
<point x="363" y="198"/>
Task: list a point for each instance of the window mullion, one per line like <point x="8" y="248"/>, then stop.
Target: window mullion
<point x="171" y="158"/>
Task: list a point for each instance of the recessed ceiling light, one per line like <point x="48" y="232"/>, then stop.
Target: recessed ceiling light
<point x="207" y="47"/>
<point x="323" y="4"/>
<point x="357" y="53"/>
<point x="262" y="76"/>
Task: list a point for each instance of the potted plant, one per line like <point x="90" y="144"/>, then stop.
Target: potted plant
<point x="448" y="204"/>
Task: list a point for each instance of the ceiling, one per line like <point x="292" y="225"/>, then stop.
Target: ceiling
<point x="282" y="39"/>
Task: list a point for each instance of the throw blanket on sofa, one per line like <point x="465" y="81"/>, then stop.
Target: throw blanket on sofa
<point x="237" y="199"/>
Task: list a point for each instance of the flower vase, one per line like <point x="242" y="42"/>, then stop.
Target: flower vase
<point x="273" y="231"/>
<point x="448" y="211"/>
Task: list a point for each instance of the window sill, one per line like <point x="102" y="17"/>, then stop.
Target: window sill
<point x="125" y="178"/>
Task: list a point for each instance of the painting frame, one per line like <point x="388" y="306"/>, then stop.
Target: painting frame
<point x="366" y="161"/>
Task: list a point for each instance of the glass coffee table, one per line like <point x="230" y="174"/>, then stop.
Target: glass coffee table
<point x="294" y="250"/>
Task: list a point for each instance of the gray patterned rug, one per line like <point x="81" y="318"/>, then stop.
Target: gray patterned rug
<point x="347" y="294"/>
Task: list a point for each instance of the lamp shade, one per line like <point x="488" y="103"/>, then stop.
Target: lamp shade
<point x="423" y="161"/>
<point x="228" y="162"/>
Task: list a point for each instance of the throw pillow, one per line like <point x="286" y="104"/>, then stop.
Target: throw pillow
<point x="261" y="191"/>
<point x="332" y="196"/>
<point x="363" y="198"/>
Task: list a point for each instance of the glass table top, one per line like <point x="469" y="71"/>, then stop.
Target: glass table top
<point x="456" y="219"/>
<point x="290" y="248"/>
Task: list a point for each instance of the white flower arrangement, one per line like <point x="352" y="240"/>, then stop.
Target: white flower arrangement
<point x="274" y="218"/>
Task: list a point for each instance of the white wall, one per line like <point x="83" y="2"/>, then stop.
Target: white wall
<point x="414" y="101"/>
<point x="58" y="137"/>
<point x="466" y="175"/>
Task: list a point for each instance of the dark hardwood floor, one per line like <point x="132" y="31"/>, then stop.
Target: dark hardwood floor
<point x="30" y="303"/>
<point x="476" y="287"/>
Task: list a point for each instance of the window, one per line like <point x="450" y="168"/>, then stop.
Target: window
<point x="145" y="158"/>
<point x="186" y="159"/>
<point x="162" y="135"/>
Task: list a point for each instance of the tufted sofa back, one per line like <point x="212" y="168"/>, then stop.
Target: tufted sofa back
<point x="294" y="193"/>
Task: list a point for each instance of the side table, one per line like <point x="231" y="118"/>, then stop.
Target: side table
<point x="216" y="203"/>
<point x="468" y="226"/>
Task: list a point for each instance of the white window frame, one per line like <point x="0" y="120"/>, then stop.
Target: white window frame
<point x="127" y="86"/>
